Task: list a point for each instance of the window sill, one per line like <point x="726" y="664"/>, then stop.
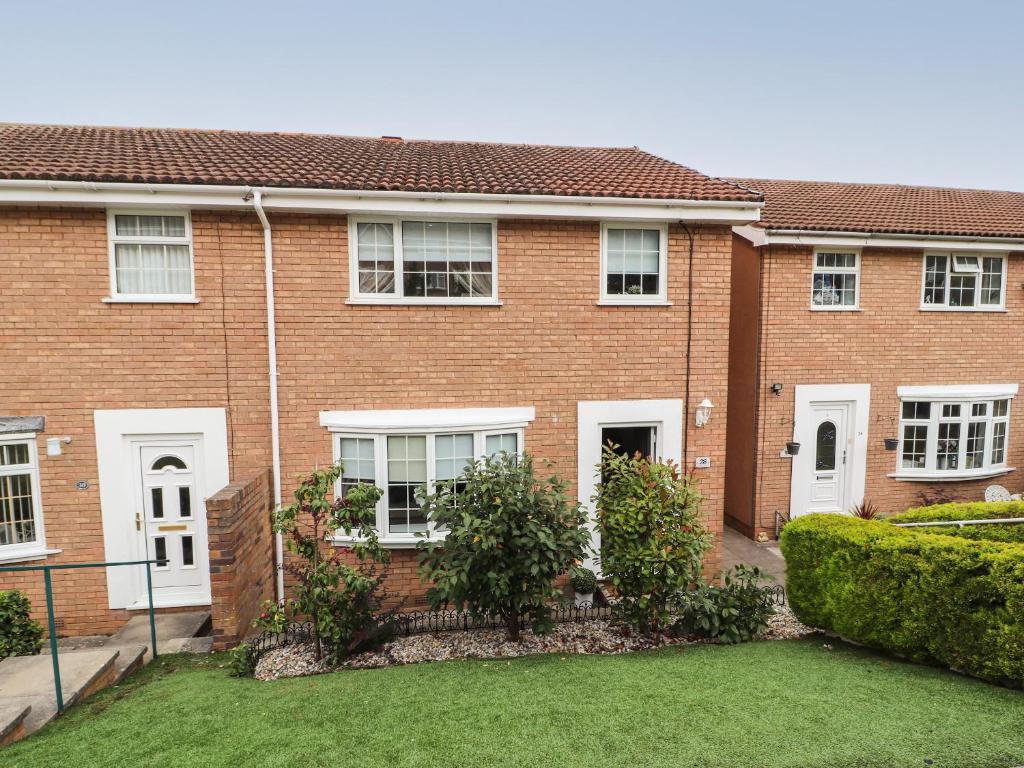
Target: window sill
<point x="149" y="300"/>
<point x="35" y="554"/>
<point x="627" y="303"/>
<point x="945" y="477"/>
<point x="995" y="310"/>
<point x="836" y="309"/>
<point x="397" y="302"/>
<point x="390" y="542"/>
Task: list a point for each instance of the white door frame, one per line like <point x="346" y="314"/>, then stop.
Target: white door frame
<point x="806" y="395"/>
<point x="118" y="433"/>
<point x="591" y="417"/>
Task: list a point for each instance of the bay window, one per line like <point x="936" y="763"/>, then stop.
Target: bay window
<point x="963" y="281"/>
<point x="424" y="262"/>
<point x="408" y="453"/>
<point x="956" y="432"/>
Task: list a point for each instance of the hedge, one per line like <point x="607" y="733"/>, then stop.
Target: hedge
<point x="980" y="510"/>
<point x="931" y="598"/>
<point x="20" y="635"/>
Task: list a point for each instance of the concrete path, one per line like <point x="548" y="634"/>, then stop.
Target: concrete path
<point x="737" y="548"/>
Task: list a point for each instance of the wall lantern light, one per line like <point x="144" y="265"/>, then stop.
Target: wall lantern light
<point x="777" y="388"/>
<point x="703" y="414"/>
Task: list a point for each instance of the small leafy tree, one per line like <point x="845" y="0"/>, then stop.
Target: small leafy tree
<point x="509" y="536"/>
<point x="652" y="541"/>
<point x="338" y="598"/>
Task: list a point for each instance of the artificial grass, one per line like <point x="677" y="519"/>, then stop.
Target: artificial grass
<point x="765" y="704"/>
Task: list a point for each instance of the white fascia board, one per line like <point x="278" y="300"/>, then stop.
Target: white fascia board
<point x="429" y="420"/>
<point x="103" y="194"/>
<point x="958" y="392"/>
<point x="759" y="236"/>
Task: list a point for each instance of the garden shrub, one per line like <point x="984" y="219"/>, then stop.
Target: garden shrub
<point x="341" y="600"/>
<point x="945" y="599"/>
<point x="509" y="536"/>
<point x="20" y="635"/>
<point x="652" y="541"/>
<point x="735" y="611"/>
<point x="584" y="581"/>
<point x="979" y="510"/>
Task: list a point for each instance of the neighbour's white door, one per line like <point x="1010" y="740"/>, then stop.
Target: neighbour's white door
<point x="170" y="518"/>
<point x="830" y="423"/>
<point x="828" y="473"/>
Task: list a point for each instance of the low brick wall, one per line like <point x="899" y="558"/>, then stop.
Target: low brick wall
<point x="241" y="555"/>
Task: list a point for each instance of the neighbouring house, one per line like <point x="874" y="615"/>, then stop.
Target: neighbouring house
<point x="866" y="349"/>
<point x="193" y="319"/>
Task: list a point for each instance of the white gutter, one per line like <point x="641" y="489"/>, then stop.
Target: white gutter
<point x="759" y="236"/>
<point x="275" y="426"/>
<point x="35" y="192"/>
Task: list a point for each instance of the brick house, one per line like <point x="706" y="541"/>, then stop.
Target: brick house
<point x="198" y="317"/>
<point x="866" y="327"/>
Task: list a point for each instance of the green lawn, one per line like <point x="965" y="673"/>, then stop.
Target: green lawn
<point x="793" y="703"/>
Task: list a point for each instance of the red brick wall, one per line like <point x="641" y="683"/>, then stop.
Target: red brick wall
<point x="548" y="345"/>
<point x="241" y="555"/>
<point x="891" y="342"/>
<point x="67" y="354"/>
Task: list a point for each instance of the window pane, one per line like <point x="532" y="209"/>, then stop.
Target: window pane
<point x="1000" y="408"/>
<point x="149" y="226"/>
<point x="992" y="281"/>
<point x="447" y="259"/>
<point x="160" y="551"/>
<point x="951" y="411"/>
<point x="376" y="255"/>
<point x="152" y="269"/>
<point x="834" y="289"/>
<point x="156" y="496"/>
<point x="948" y="449"/>
<point x="915" y="441"/>
<point x="975" y="457"/>
<point x="357" y="461"/>
<point x="453" y="453"/>
<point x="935" y="280"/>
<point x="961" y="290"/>
<point x="921" y="411"/>
<point x="999" y="442"/>
<point x="407" y="475"/>
<point x="174" y="462"/>
<point x="825" y="447"/>
<point x="506" y="443"/>
<point x="632" y="261"/>
<point x="187" y="552"/>
<point x="13" y="454"/>
<point x="185" y="501"/>
<point x="17" y="510"/>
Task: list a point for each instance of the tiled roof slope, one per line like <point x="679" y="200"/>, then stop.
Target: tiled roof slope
<point x="888" y="208"/>
<point x="172" y="156"/>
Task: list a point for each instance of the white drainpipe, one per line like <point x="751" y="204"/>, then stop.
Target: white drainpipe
<point x="275" y="426"/>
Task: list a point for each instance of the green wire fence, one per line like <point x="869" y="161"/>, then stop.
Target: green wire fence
<point x="51" y="618"/>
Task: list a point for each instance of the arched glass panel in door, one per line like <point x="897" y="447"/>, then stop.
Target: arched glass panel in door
<point x="168" y="462"/>
<point x="825" y="447"/>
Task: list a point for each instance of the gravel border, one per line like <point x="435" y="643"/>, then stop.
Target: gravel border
<point x="586" y="637"/>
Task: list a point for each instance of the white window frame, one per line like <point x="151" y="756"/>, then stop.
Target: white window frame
<point x="379" y="425"/>
<point x="855" y="271"/>
<point x="398" y="297"/>
<point x="34" y="549"/>
<point x="965" y="396"/>
<point x="113" y="239"/>
<point x="661" y="298"/>
<point x="950" y="256"/>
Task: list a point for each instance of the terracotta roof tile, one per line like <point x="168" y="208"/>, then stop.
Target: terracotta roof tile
<point x="173" y="156"/>
<point x="889" y="209"/>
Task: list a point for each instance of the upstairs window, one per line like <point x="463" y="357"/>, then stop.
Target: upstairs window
<point x="150" y="257"/>
<point x="954" y="433"/>
<point x="427" y="262"/>
<point x="633" y="261"/>
<point x="963" y="281"/>
<point x="835" y="281"/>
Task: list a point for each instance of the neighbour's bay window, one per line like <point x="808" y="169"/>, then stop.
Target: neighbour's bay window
<point x="21" y="519"/>
<point x="408" y="453"/>
<point x="415" y="261"/>
<point x="150" y="256"/>
<point x="963" y="281"/>
<point x="633" y="263"/>
<point x="954" y="432"/>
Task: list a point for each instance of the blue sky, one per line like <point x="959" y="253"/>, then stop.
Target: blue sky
<point x="911" y="92"/>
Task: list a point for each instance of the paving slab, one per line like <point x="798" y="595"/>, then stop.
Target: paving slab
<point x="737" y="548"/>
<point x="168" y="627"/>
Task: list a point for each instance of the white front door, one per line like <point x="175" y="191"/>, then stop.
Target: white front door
<point x="170" y="518"/>
<point x="830" y="424"/>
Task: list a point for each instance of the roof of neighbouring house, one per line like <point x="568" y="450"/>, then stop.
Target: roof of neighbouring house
<point x="177" y="156"/>
<point x="829" y="206"/>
